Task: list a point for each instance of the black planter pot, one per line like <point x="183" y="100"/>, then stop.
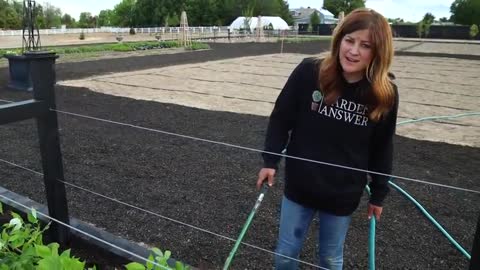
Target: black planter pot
<point x="19" y="67"/>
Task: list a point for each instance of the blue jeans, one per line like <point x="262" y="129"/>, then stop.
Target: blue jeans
<point x="294" y="222"/>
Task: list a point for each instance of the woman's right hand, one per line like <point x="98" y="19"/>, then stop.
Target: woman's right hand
<point x="266" y="174"/>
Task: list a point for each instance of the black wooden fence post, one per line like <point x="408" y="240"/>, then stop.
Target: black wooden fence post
<point x="475" y="261"/>
<point x="43" y="79"/>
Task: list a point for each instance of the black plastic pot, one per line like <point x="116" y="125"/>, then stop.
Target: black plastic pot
<point x="19" y="67"/>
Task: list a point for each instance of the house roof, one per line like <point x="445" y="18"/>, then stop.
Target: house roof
<point x="326" y="12"/>
<point x="306" y="12"/>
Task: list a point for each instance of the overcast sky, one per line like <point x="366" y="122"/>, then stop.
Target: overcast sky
<point x="409" y="10"/>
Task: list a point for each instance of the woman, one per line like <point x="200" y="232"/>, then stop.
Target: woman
<point x="340" y="110"/>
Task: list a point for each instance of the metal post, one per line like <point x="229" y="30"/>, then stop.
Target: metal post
<point x="43" y="78"/>
<point x="475" y="260"/>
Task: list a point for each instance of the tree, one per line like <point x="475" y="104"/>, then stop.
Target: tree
<point x="347" y="6"/>
<point x="85" y="20"/>
<point x="155" y="12"/>
<point x="248" y="14"/>
<point x="428" y="18"/>
<point x="53" y="16"/>
<point x="466" y="12"/>
<point x="395" y="21"/>
<point x="68" y="21"/>
<point x="266" y="8"/>
<point x="40" y="16"/>
<point x="123" y="13"/>
<point x="314" y="19"/>
<point x="11" y="13"/>
<point x="10" y="18"/>
<point x="425" y="23"/>
<point x="105" y="17"/>
<point x="17" y="6"/>
<point x="284" y="12"/>
<point x="172" y="20"/>
<point x="228" y="11"/>
<point x="150" y="12"/>
<point x="426" y="29"/>
<point x="443" y="19"/>
<point x="420" y="28"/>
<point x="202" y="12"/>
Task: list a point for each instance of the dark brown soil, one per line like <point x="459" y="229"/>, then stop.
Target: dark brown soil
<point x="212" y="186"/>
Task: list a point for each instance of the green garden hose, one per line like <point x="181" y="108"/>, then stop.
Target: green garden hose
<point x="439" y="227"/>
<point x="371" y="244"/>
<point x="245" y="227"/>
<point x="371" y="239"/>
<point x="433" y="118"/>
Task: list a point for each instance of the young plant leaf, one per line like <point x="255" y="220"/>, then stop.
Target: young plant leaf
<point x="179" y="266"/>
<point x="54" y="248"/>
<point x="134" y="266"/>
<point x="32" y="216"/>
<point x="65" y="254"/>
<point x="16" y="223"/>
<point x="49" y="263"/>
<point x="43" y="251"/>
<point x="167" y="255"/>
<point x="17" y="216"/>
<point x="149" y="263"/>
<point x="71" y="263"/>
<point x="157" y="252"/>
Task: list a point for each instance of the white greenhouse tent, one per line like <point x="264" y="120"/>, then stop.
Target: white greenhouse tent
<point x="277" y="23"/>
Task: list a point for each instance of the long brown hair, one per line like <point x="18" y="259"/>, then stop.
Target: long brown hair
<point x="382" y="95"/>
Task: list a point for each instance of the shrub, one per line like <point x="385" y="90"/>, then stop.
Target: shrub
<point x="21" y="247"/>
<point x="426" y="29"/>
<point x="198" y="46"/>
<point x="82" y="36"/>
<point x="420" y="27"/>
<point x="473" y="31"/>
<point x="10" y="52"/>
<point x="122" y="48"/>
<point x="132" y="31"/>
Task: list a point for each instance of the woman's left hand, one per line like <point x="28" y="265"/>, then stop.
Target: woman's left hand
<point x="374" y="210"/>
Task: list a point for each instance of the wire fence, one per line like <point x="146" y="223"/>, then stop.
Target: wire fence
<point x="227" y="145"/>
<point x="214" y="142"/>
<point x="149" y="212"/>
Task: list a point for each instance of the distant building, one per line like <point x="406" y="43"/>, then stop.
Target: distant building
<point x="275" y="22"/>
<point x="302" y="16"/>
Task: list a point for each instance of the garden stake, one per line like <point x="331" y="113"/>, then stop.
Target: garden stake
<point x="245" y="227"/>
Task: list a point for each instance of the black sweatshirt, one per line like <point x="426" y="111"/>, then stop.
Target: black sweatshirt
<point x="340" y="134"/>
